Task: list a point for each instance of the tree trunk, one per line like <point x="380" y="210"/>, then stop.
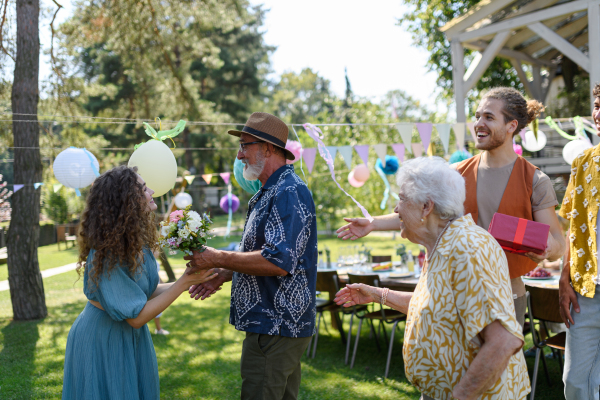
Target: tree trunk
<point x="166" y="265"/>
<point x="25" y="280"/>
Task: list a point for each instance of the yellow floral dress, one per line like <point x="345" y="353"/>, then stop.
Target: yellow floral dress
<point x="465" y="288"/>
<point x="580" y="206"/>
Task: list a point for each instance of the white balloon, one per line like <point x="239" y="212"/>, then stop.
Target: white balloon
<point x="183" y="199"/>
<point x="156" y="164"/>
<point x="530" y="143"/>
<point x="75" y="168"/>
<point x="574" y="148"/>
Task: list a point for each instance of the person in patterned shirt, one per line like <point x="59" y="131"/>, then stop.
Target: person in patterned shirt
<point x="578" y="286"/>
<point x="462" y="340"/>
<point x="274" y="274"/>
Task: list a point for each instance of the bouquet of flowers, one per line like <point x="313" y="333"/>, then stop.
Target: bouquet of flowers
<point x="185" y="230"/>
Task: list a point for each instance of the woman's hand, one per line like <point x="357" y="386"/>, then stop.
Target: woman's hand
<point x="357" y="228"/>
<point x="357" y="293"/>
<point x="193" y="276"/>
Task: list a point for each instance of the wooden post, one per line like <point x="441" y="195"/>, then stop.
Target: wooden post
<point x="458" y="72"/>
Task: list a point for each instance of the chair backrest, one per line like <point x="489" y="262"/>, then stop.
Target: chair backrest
<point x="61" y="231"/>
<point x="372" y="280"/>
<point x="381" y="259"/>
<point x="544" y="304"/>
<point x="327" y="281"/>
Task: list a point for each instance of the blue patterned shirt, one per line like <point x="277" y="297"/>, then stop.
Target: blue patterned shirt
<point x="281" y="223"/>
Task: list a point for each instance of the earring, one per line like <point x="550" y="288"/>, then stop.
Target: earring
<point x="422" y="220"/>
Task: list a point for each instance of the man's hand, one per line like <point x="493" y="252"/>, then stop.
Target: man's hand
<point x="538" y="258"/>
<point x="205" y="290"/>
<point x="206" y="260"/>
<point x="566" y="297"/>
<point x="357" y="228"/>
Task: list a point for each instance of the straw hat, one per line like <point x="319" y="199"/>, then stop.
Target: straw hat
<point x="269" y="128"/>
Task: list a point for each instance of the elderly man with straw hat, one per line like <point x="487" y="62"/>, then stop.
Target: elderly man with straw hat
<point x="274" y="274"/>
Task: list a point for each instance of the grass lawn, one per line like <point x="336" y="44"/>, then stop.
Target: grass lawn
<point x="200" y="359"/>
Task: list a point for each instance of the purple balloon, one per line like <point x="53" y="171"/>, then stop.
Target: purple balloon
<point x="224" y="203"/>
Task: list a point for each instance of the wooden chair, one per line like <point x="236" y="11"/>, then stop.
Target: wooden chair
<point x="327" y="282"/>
<point x="381" y="259"/>
<point x="383" y="315"/>
<point x="66" y="234"/>
<point x="543" y="305"/>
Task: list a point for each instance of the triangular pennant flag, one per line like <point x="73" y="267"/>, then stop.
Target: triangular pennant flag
<point x="399" y="150"/>
<point x="189" y="179"/>
<point x="444" y="134"/>
<point x="471" y="126"/>
<point x="225" y="176"/>
<point x="405" y="131"/>
<point x="425" y="129"/>
<point x="459" y="133"/>
<point x="57" y="187"/>
<point x="363" y="152"/>
<point x="38" y="184"/>
<point x="207" y="178"/>
<point x="332" y="151"/>
<point x="417" y="149"/>
<point x="381" y="151"/>
<point x="309" y="157"/>
<point x="346" y="152"/>
<point x="16" y="188"/>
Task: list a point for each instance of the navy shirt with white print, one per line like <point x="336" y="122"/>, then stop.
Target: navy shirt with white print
<point x="281" y="223"/>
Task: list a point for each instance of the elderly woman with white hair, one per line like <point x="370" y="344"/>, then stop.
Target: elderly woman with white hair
<point x="461" y="340"/>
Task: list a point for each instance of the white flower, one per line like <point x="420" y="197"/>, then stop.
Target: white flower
<point x="566" y="200"/>
<point x="588" y="178"/>
<point x="184" y="232"/>
<point x="594" y="190"/>
<point x="573" y="171"/>
<point x="583" y="291"/>
<point x="577" y="277"/>
<point x="588" y="265"/>
<point x="580" y="189"/>
<point x="574" y="213"/>
<point x="194" y="216"/>
<point x="572" y="193"/>
<point x="597" y="168"/>
<point x="585" y="166"/>
<point x="585" y="202"/>
<point x="590" y="216"/>
<point x="572" y="237"/>
<point x="590" y="241"/>
<point x="583" y="228"/>
<point x="165" y="230"/>
<point x="595" y="279"/>
<point x="596" y="159"/>
<point x="580" y="155"/>
<point x="580" y="253"/>
<point x="194" y="225"/>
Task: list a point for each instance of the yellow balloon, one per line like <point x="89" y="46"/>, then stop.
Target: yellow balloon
<point x="156" y="164"/>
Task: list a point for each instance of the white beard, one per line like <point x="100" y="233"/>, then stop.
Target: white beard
<point x="252" y="172"/>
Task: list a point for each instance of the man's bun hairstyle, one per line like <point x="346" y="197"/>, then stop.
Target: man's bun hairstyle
<point x="516" y="107"/>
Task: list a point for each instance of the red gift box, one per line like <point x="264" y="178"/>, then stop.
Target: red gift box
<point x="518" y="235"/>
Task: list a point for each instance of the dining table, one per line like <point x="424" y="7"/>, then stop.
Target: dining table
<point x="399" y="278"/>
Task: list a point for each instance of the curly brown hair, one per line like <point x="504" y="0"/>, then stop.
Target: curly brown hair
<point x="116" y="223"/>
<point x="515" y="106"/>
<point x="596" y="91"/>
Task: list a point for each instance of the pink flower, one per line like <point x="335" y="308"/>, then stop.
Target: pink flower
<point x="176" y="216"/>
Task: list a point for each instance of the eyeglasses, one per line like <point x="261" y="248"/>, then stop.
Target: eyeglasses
<point x="242" y="148"/>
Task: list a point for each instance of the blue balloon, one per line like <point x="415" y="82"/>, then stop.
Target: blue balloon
<point x="459" y="155"/>
<point x="391" y="165"/>
<point x="249" y="186"/>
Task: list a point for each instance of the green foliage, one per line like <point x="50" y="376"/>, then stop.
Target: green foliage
<point x="56" y="208"/>
<point x="423" y="21"/>
<point x="568" y="104"/>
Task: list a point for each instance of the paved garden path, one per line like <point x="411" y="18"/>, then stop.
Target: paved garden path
<point x="45" y="274"/>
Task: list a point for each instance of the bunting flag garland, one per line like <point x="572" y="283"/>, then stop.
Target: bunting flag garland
<point x="17" y="187"/>
<point x="333" y="151"/>
<point x="459" y="133"/>
<point x="444" y="134"/>
<point x="381" y="150"/>
<point x="189" y="179"/>
<point x="363" y="152"/>
<point x="346" y="152"/>
<point x="57" y="187"/>
<point x="399" y="150"/>
<point x="308" y="155"/>
<point x="38" y="184"/>
<point x="471" y="126"/>
<point x="207" y="178"/>
<point x="417" y="149"/>
<point x="425" y="129"/>
<point x="316" y="134"/>
<point x="225" y="176"/>
<point x="405" y="131"/>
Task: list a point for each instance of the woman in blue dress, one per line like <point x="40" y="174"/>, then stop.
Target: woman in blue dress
<point x="109" y="353"/>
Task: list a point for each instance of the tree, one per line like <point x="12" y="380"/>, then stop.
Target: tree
<point x="25" y="280"/>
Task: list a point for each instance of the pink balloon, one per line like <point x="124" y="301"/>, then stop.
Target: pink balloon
<point x="352" y="180"/>
<point x="518" y="149"/>
<point x="296" y="149"/>
<point x="361" y="173"/>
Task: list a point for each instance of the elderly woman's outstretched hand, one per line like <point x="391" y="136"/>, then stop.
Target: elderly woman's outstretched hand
<point x="357" y="228"/>
<point x="356" y="293"/>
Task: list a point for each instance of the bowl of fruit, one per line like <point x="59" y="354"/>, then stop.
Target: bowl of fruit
<point x="538" y="273"/>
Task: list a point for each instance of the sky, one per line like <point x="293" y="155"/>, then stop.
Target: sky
<point x="330" y="35"/>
